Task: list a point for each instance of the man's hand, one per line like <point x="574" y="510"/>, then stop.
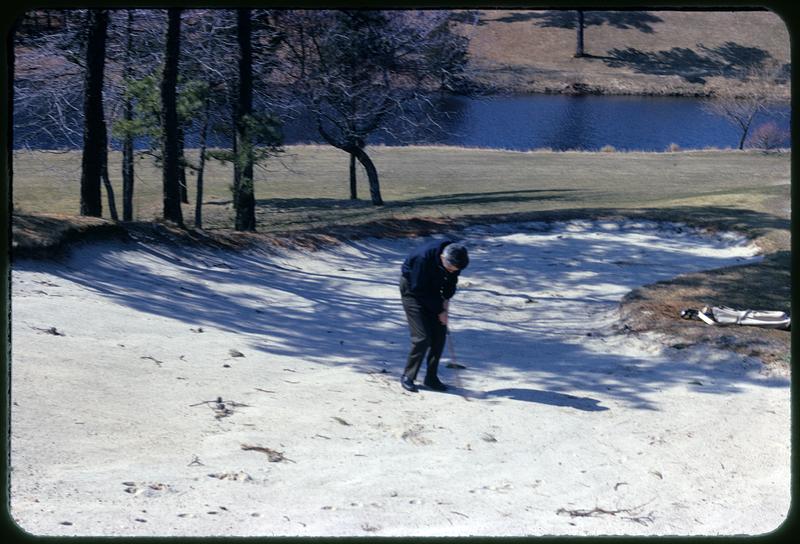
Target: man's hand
<point x="443" y="318"/>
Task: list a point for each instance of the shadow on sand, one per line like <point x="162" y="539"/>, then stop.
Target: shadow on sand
<point x="350" y="309"/>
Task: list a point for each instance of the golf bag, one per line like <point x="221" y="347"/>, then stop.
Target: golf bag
<point x="723" y="315"/>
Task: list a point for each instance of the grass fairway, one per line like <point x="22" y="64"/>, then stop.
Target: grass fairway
<point x="308" y="186"/>
<point x="307" y="192"/>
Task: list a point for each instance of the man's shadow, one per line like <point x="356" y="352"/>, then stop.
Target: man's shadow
<point x="587" y="404"/>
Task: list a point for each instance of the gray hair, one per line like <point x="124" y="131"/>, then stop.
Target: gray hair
<point x="456" y="255"/>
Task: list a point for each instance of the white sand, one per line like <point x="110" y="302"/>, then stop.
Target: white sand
<point x="559" y="426"/>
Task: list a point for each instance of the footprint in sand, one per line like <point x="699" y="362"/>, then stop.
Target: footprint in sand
<point x="148" y="489"/>
<point x="240" y="476"/>
<point x="414" y="435"/>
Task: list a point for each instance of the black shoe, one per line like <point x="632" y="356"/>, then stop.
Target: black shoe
<point x="408" y="384"/>
<point x="435" y="384"/>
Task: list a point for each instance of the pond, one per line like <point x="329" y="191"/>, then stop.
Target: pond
<point x="521" y="122"/>
<point x="561" y="122"/>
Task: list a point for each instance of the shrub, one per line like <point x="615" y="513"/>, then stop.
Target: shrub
<point x="768" y="137"/>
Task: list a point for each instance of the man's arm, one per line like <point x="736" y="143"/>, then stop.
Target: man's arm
<point x="444" y="314"/>
<point x="449" y="286"/>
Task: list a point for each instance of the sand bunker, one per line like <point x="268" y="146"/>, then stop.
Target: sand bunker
<point x="182" y="391"/>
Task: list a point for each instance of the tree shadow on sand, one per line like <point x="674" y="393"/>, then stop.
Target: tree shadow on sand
<point x="345" y="310"/>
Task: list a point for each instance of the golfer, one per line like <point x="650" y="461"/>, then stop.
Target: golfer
<point x="428" y="282"/>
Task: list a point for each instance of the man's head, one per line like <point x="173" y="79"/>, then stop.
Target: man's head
<point x="455" y="257"/>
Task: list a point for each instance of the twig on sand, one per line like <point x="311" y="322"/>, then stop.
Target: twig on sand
<point x="220" y="407"/>
<point x="272" y="455"/>
<point x="195" y="462"/>
<point x="50" y="330"/>
<point x="597" y="511"/>
<point x="156" y="361"/>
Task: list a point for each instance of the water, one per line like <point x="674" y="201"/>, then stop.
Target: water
<point x="556" y="122"/>
<point x="561" y="123"/>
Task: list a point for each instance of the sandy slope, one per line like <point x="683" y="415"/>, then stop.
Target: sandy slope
<point x="559" y="425"/>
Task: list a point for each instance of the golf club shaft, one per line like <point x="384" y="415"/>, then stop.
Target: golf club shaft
<point x="453" y="360"/>
<point x="451" y="347"/>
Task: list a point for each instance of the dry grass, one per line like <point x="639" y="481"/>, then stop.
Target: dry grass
<point x="310" y="189"/>
<point x="766" y="285"/>
<point x="522" y="50"/>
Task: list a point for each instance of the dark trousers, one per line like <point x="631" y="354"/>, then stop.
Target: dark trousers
<point x="427" y="335"/>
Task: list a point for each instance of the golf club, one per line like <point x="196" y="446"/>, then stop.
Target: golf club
<point x="453" y="362"/>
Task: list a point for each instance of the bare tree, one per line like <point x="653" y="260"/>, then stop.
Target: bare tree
<point x="51" y="80"/>
<point x="50" y="70"/>
<point x="169" y="115"/>
<point x="140" y="91"/>
<point x="135" y="51"/>
<point x="210" y="68"/>
<point x="741" y="104"/>
<point x="768" y="137"/>
<point x="363" y="71"/>
<point x="94" y="163"/>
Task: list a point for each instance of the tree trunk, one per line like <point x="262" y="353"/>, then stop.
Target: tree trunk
<point x="198" y="205"/>
<point x="746" y="129"/>
<point x="112" y="204"/>
<point x="10" y="60"/>
<point x="127" y="173"/>
<point x="372" y="175"/>
<point x="7" y="198"/>
<point x="353" y="190"/>
<point x="169" y="115"/>
<point x="94" y="127"/>
<point x="182" y="167"/>
<point x="579" y="49"/>
<point x="127" y="144"/>
<point x="354" y="149"/>
<point x="244" y="197"/>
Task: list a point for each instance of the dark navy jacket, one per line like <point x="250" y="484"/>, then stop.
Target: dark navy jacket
<point x="427" y="280"/>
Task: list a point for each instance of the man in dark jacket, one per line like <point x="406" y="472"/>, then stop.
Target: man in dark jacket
<point x="428" y="282"/>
